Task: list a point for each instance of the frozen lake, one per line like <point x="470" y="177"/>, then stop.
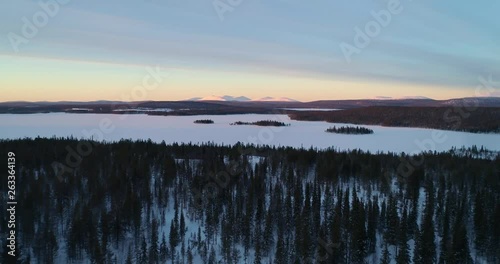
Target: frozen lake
<point x="182" y="129"/>
<point x="311" y="109"/>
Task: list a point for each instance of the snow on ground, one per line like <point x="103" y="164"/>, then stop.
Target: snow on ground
<point x="182" y="129"/>
<point x="312" y="109"/>
<point x="80" y="109"/>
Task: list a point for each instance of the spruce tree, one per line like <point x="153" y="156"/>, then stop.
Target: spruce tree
<point x="403" y="255"/>
<point x="444" y="245"/>
<point x="480" y="224"/>
<point x="190" y="257"/>
<point x="268" y="239"/>
<point x="153" y="249"/>
<point x="163" y="251"/>
<point x="182" y="226"/>
<point x="460" y="245"/>
<point x="173" y="239"/>
<point x="212" y="258"/>
<point x="280" y="256"/>
<point x="417" y="258"/>
<point x="426" y="241"/>
<point x="386" y="256"/>
<point x="144" y="257"/>
<point x="359" y="237"/>
<point x="392" y="222"/>
<point x="129" y="259"/>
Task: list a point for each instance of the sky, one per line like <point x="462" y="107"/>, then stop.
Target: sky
<point x="74" y="50"/>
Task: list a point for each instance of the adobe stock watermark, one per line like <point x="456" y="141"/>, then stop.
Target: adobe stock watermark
<point x="452" y="116"/>
<point x="32" y="26"/>
<point x="492" y="87"/>
<point x="328" y="247"/>
<point x="223" y="6"/>
<point x="74" y="156"/>
<point x="363" y="36"/>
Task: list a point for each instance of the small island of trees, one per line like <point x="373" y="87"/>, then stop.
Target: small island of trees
<point x="204" y="121"/>
<point x="261" y="123"/>
<point x="350" y="130"/>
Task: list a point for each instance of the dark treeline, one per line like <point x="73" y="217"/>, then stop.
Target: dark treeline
<point x="141" y="202"/>
<point x="465" y="118"/>
<point x="357" y="130"/>
<point x="204" y="121"/>
<point x="261" y="123"/>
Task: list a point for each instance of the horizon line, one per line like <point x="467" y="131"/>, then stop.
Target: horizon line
<point x="251" y="100"/>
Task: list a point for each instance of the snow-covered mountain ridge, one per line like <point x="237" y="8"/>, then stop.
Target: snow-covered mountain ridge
<point x="227" y="98"/>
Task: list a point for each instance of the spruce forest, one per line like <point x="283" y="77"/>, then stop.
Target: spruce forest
<point x="350" y="130"/>
<point x="145" y="202"/>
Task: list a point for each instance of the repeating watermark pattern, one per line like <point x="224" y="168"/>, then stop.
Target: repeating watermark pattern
<point x="328" y="247"/>
<point x="74" y="157"/>
<point x="372" y="29"/>
<point x="453" y="116"/>
<point x="221" y="7"/>
<point x="492" y="87"/>
<point x="32" y="26"/>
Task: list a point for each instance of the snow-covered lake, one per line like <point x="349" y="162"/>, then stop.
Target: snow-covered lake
<point x="182" y="129"/>
<point x="311" y="109"/>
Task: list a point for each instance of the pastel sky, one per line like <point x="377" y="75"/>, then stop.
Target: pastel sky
<point x="101" y="50"/>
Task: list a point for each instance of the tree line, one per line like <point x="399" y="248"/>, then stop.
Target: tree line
<point x="261" y="123"/>
<point x="204" y="121"/>
<point x="351" y="130"/>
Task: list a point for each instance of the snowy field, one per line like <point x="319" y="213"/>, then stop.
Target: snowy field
<point x="182" y="129"/>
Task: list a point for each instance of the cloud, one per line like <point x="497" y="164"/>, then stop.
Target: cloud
<point x="426" y="44"/>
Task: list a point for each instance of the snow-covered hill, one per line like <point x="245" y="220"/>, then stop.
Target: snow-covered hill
<point x="229" y="98"/>
<point x="274" y="99"/>
<point x="417" y="97"/>
<point x="220" y="98"/>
